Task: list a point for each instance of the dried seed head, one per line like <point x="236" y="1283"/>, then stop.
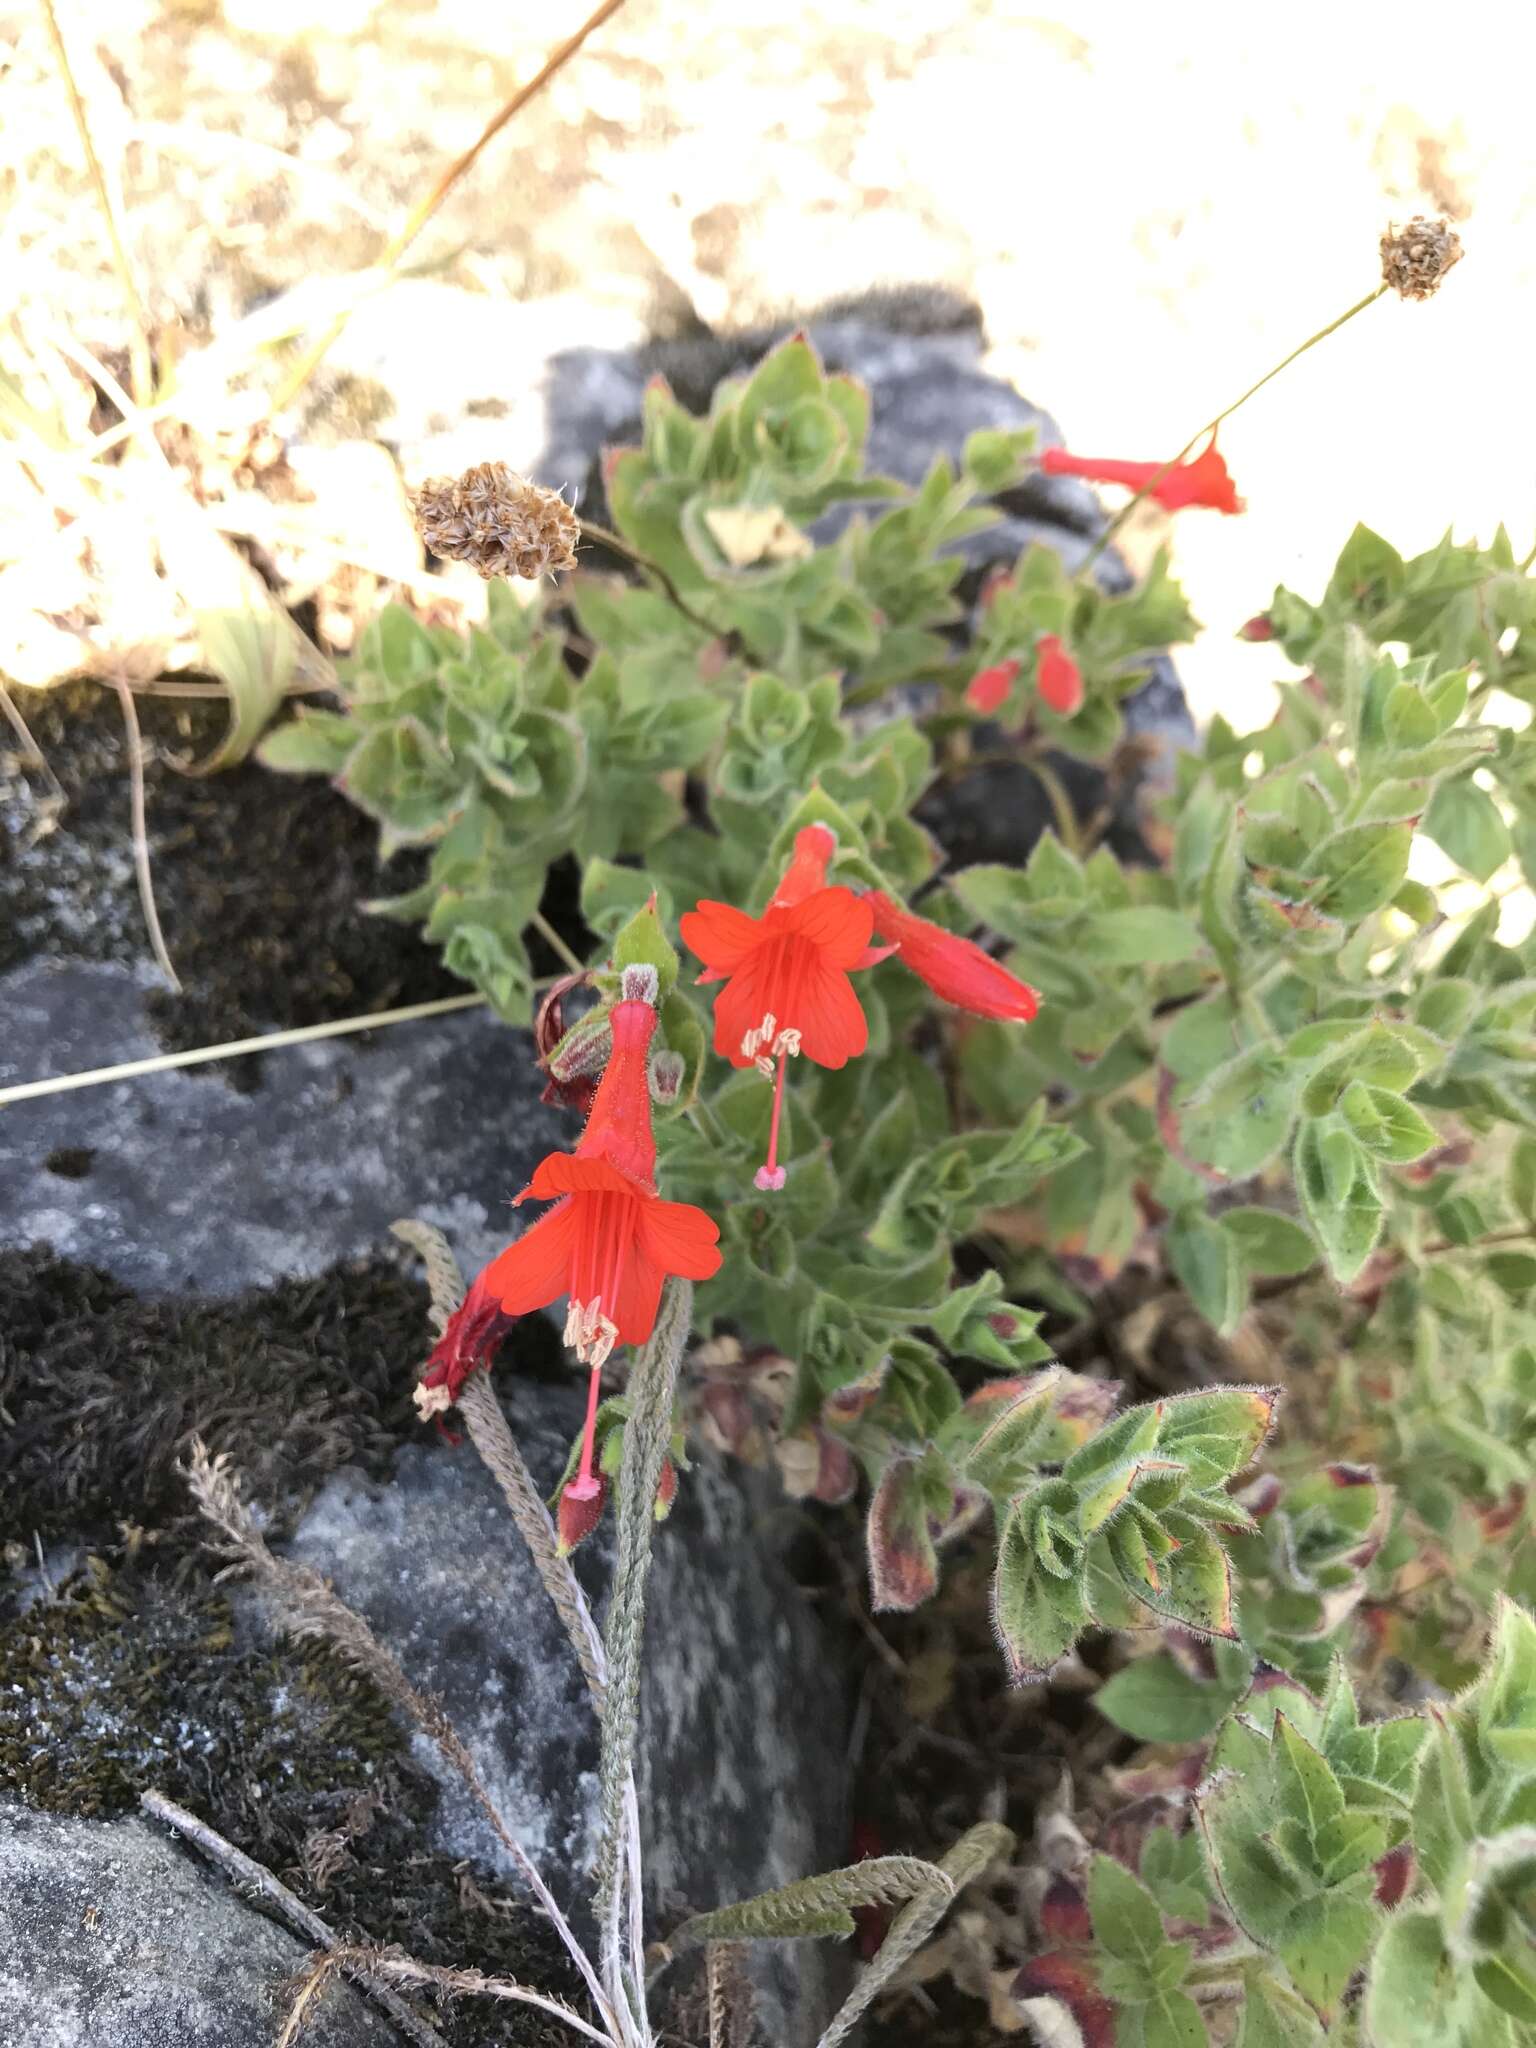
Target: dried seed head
<point x="1414" y="259"/>
<point x="489" y="517"/>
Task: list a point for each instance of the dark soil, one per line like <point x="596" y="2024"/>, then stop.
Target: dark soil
<point x="258" y="878"/>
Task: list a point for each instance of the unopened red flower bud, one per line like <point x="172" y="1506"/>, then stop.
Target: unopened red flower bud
<point x="1260" y="627"/>
<point x="988" y="689"/>
<point x="579" y="1510"/>
<point x="666" y="1490"/>
<point x="1058" y="677"/>
<point x="956" y="969"/>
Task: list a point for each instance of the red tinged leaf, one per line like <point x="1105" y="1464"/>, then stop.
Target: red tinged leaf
<point x="1069" y="1981"/>
<point x="1394" y="1876"/>
<point x="1064" y="1915"/>
<point x="903" y="1562"/>
<point x="666" y="1489"/>
<point x="872" y="1923"/>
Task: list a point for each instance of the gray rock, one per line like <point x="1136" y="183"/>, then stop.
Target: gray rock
<point x="113" y="1936"/>
<point x="193" y="1187"/>
<point x="743" y="1711"/>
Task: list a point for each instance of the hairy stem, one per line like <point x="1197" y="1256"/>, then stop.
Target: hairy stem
<point x="604" y="536"/>
<point x="652" y="1389"/>
<point x="556" y="944"/>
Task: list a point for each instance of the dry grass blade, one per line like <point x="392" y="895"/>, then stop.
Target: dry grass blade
<point x="253" y="1876"/>
<point x="235" y="1048"/>
<point x="379" y="1962"/>
<point x="311" y="1610"/>
<point x="138" y="343"/>
<point x="141" y="867"/>
<point x="912" y="1926"/>
<point x="424" y="209"/>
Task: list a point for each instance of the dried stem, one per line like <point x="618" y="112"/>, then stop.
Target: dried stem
<point x="497" y="1446"/>
<point x="424" y="209"/>
<point x="141" y="865"/>
<point x="312" y="1610"/>
<point x="380" y="1962"/>
<point x="249" y="1875"/>
<point x="616" y="544"/>
<point x="652" y="1390"/>
<point x="236" y="1048"/>
<point x="916" y="1921"/>
<point x="141" y="365"/>
<point x="1210" y="426"/>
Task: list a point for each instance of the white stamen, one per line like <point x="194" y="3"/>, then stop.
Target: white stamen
<point x="589" y="1332"/>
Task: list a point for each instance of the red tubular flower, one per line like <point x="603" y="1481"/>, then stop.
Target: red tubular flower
<point x="954" y="968"/>
<point x="473" y="1332"/>
<point x="989" y="687"/>
<point x="786" y="974"/>
<point x="1058" y="677"/>
<point x="609" y="1241"/>
<point x="1205" y="481"/>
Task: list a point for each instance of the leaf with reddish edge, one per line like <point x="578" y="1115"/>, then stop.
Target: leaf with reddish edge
<point x="1068" y="1981"/>
<point x="1394" y="1875"/>
<point x="903" y="1561"/>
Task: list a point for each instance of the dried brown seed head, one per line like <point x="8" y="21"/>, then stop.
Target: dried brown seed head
<point x="1414" y="259"/>
<point x="504" y="527"/>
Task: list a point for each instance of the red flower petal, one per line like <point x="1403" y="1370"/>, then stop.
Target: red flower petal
<point x="1058" y="677"/>
<point x="634" y="1313"/>
<point x="561" y="1173"/>
<point x="988" y="688"/>
<point x="536" y="1270"/>
<point x="836" y="922"/>
<point x="680" y="1238"/>
<point x="831" y="1022"/>
<point x="720" y="934"/>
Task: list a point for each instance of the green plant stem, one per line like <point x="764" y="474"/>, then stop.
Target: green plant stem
<point x="141" y="368"/>
<point x="652" y="1390"/>
<point x="1211" y="425"/>
<point x="605" y="537"/>
<point x="553" y="940"/>
<point x="425" y="207"/>
<point x="1060" y="802"/>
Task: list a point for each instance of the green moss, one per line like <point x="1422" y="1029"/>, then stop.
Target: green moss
<point x="127" y="1680"/>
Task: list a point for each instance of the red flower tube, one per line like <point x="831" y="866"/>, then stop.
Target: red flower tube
<point x="609" y="1241"/>
<point x="786" y="974"/>
<point x="1206" y="481"/>
<point x="954" y="968"/>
